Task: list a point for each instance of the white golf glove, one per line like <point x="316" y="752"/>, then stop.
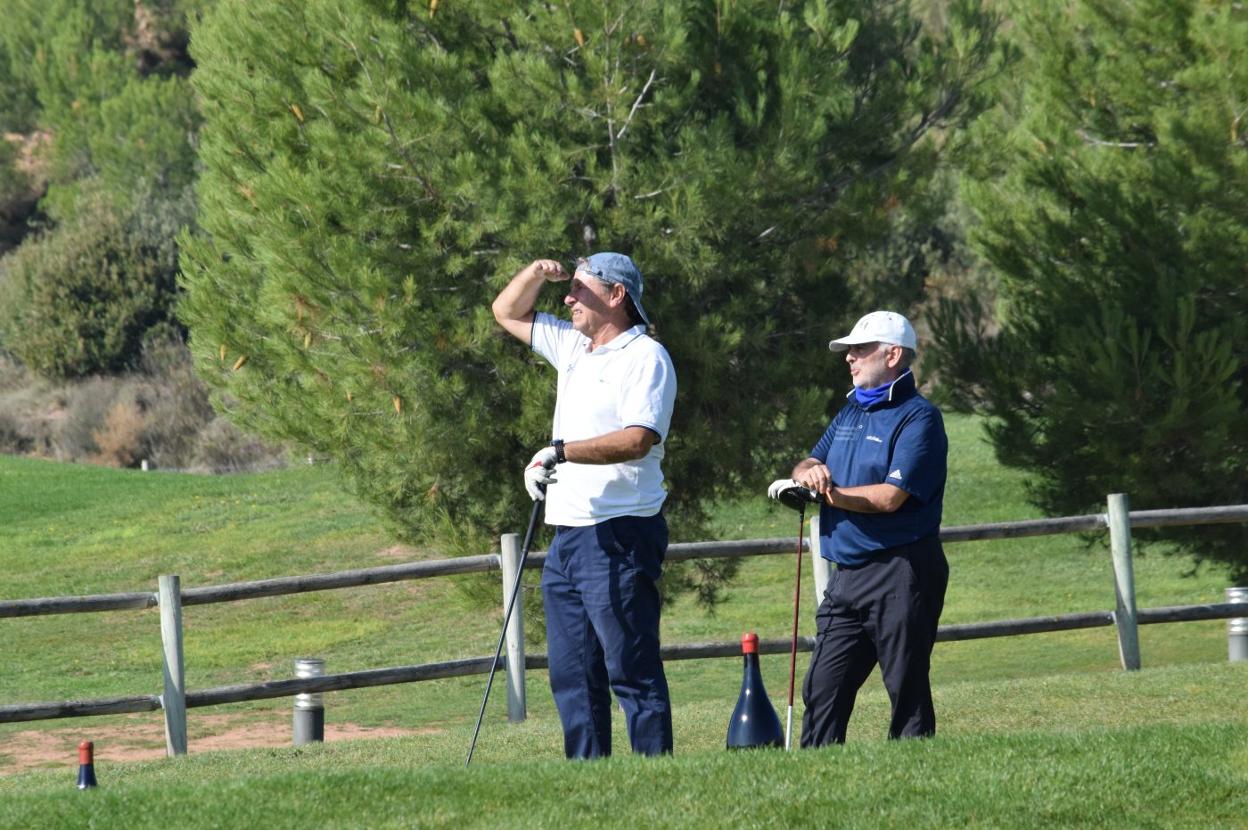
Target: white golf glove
<point x="540" y="472"/>
<point x="791" y="493"/>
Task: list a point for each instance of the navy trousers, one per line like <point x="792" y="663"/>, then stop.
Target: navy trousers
<point x="885" y="612"/>
<point x="601" y="599"/>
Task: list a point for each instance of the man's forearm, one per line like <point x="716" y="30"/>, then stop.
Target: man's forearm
<point x="513" y="307"/>
<point x="869" y="498"/>
<point x="517" y="299"/>
<point x="628" y="444"/>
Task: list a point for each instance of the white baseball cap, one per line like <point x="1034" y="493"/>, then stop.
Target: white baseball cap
<point x="879" y="327"/>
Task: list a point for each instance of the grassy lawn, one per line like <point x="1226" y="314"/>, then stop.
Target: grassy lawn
<point x="1164" y="747"/>
<point x="1055" y="710"/>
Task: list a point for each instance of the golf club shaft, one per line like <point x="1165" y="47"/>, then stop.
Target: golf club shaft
<point x="797" y="595"/>
<point x="511" y="603"/>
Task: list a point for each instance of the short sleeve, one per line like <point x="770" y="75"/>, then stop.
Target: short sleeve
<point x="920" y="456"/>
<point x="649" y="393"/>
<point x="824" y="446"/>
<point x="553" y="339"/>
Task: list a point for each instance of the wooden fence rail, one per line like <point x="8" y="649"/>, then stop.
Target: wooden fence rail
<point x="481" y="665"/>
<point x="176" y="700"/>
<point x="677" y="552"/>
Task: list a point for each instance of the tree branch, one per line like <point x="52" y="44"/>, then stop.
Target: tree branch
<point x="637" y="104"/>
<point x="1122" y="145"/>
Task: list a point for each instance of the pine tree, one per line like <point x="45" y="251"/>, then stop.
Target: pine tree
<point x="374" y="172"/>
<point x="1113" y="202"/>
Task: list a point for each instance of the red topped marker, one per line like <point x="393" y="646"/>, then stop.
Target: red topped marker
<point x="86" y="765"/>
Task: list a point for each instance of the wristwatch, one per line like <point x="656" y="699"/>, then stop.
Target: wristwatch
<point x="559" y="456"/>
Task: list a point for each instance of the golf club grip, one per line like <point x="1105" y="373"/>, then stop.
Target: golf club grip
<point x="528" y="536"/>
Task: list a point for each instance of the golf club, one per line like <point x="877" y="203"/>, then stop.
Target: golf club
<point x="797" y="497"/>
<point x="511" y="603"/>
<point x="797" y="593"/>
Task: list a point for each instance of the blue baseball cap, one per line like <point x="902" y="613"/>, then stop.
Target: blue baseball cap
<point x="616" y="268"/>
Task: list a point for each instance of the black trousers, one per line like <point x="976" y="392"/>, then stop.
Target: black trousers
<point x="884" y="612"/>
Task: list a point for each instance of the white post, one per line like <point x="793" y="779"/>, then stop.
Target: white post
<point x="1237" y="628"/>
<point x="309" y="718"/>
<point x="820" y="567"/>
<point x="1124" y="581"/>
<point x="173" y="701"/>
<point x="516" y="708"/>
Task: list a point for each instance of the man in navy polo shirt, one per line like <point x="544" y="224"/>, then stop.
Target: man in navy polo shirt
<point x="879" y="470"/>
<point x="616" y="390"/>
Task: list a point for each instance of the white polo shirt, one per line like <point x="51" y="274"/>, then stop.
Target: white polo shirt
<point x="627" y="382"/>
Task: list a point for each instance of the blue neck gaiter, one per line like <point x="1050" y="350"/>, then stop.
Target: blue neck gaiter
<point x="868" y="397"/>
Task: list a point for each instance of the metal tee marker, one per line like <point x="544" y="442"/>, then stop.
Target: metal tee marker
<point x="511" y="603"/>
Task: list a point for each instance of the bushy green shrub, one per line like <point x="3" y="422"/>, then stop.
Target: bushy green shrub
<point x="79" y="299"/>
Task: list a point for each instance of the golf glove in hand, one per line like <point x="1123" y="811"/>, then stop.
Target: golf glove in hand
<point x="791" y="494"/>
<point x="540" y="472"/>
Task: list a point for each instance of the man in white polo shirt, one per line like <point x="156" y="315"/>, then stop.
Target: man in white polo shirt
<point x="616" y="389"/>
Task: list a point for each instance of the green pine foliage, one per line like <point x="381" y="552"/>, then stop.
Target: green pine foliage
<point x="108" y="119"/>
<point x="374" y="172"/>
<point x="1113" y="202"/>
<point x="42" y="47"/>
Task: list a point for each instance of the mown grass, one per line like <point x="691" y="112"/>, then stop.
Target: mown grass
<point x="1163" y="747"/>
<point x="75" y="530"/>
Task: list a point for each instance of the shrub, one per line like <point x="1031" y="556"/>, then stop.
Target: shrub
<point x="222" y="447"/>
<point x="161" y="413"/>
<point x="31" y="411"/>
<point x="86" y="409"/>
<point x="121" y="440"/>
<point x="13" y="438"/>
<point x="15" y="195"/>
<point x="176" y="401"/>
<point x="79" y="299"/>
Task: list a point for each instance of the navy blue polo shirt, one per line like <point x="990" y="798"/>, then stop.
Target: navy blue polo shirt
<point x="901" y="441"/>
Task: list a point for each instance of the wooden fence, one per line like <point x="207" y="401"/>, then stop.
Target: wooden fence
<point x="170" y="597"/>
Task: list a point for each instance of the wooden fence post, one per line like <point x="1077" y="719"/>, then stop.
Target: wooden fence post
<point x="1124" y="581"/>
<point x="516" y="705"/>
<point x="173" y="701"/>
